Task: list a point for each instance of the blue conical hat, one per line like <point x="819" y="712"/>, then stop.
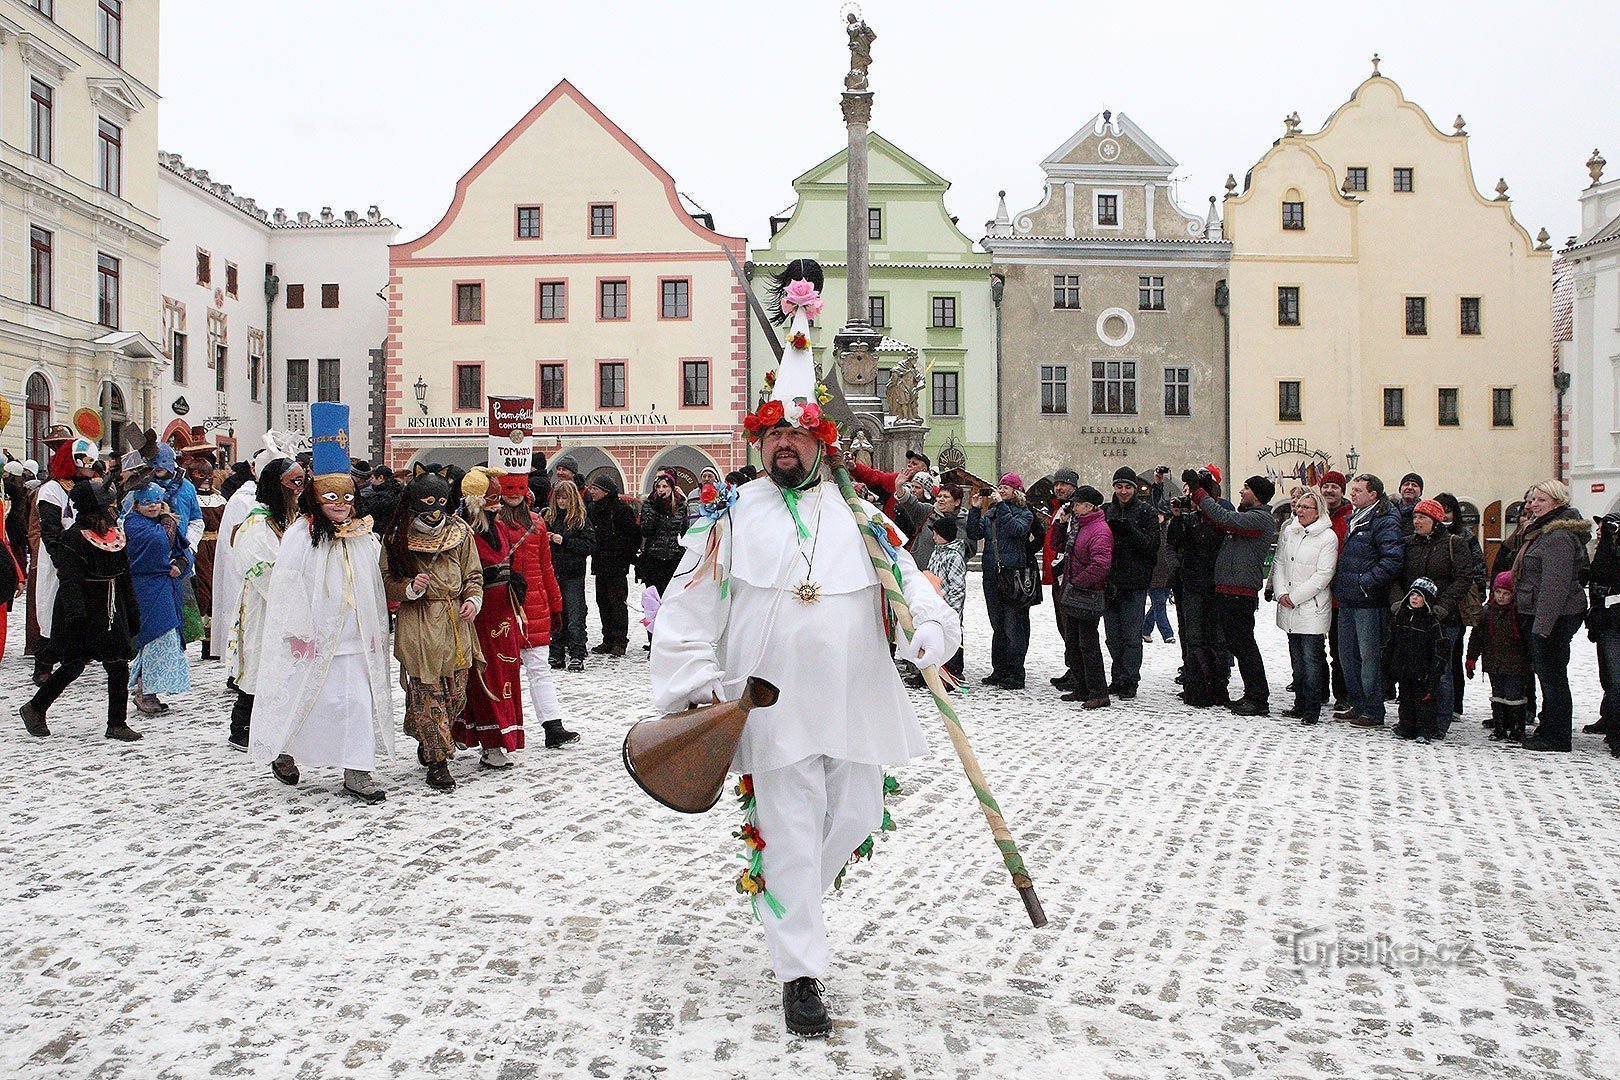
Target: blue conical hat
<point x="329" y="447"/>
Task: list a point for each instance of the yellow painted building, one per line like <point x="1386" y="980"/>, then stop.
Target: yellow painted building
<point x="1381" y="303"/>
<point x="568" y="269"/>
<point x="80" y="312"/>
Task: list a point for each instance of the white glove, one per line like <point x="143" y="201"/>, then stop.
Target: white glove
<point x="712" y="691"/>
<point x="926" y="648"/>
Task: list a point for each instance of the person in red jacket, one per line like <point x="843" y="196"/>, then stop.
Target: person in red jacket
<point x="1339" y="511"/>
<point x="542" y="603"/>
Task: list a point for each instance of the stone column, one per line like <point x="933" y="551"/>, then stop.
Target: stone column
<point x="857" y="115"/>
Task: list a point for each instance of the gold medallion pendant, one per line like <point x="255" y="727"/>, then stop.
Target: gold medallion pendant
<point x="807" y="592"/>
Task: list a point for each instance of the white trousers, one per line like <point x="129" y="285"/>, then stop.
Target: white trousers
<point x="542" y="691"/>
<point x="812" y="815"/>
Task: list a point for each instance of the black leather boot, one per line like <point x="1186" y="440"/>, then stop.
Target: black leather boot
<point x="557" y="735"/>
<point x="802" y="1006"/>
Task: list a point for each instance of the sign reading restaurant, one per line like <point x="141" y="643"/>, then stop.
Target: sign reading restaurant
<point x="472" y="422"/>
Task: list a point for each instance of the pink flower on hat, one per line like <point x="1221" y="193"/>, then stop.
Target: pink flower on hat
<point x="809" y="414"/>
<point x="801" y="295"/>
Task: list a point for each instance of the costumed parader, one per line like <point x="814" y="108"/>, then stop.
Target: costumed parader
<point x="326" y="631"/>
<point x="95" y="615"/>
<point x="492" y="715"/>
<point x="777" y="583"/>
<point x="252" y="558"/>
<point x="35" y="644"/>
<point x="227" y="577"/>
<point x="430" y="569"/>
<point x="200" y="470"/>
<point x="54" y="514"/>
<point x="541" y="603"/>
<point x="158" y="562"/>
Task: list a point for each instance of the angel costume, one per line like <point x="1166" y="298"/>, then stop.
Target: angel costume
<point x="326" y="637"/>
<point x="780" y="586"/>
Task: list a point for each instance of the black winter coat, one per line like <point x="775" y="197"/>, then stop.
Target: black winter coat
<point x="96" y="617"/>
<point x="1605" y="578"/>
<point x="1445" y="559"/>
<point x="1371" y="557"/>
<point x="1417" y="652"/>
<point x="1197" y="543"/>
<point x="618" y="538"/>
<point x="1136" y="543"/>
<point x="661" y="531"/>
<point x="568" y="557"/>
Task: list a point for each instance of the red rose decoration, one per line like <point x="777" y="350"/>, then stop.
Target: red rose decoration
<point x="827" y="432"/>
<point x="708" y="494"/>
<point x="770" y="414"/>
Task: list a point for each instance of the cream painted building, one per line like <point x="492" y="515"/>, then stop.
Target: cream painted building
<point x="80" y="314"/>
<point x="568" y="269"/>
<point x="1381" y="304"/>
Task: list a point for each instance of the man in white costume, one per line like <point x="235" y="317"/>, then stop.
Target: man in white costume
<point x="777" y="583"/>
<point x="326" y="631"/>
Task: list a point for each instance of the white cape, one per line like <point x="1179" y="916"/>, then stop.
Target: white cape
<point x="45" y="579"/>
<point x="227" y="578"/>
<point x="330" y="596"/>
<point x="841" y="695"/>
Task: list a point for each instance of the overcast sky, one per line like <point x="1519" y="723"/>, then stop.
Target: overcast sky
<point x="345" y="103"/>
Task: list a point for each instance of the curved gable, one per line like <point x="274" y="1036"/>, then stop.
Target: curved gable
<point x="564" y="154"/>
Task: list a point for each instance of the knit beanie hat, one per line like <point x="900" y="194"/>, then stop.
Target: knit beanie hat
<point x="1334" y="477"/>
<point x="1425" y="586"/>
<point x="1087" y="494"/>
<point x="1263" y="488"/>
<point x="1504" y="580"/>
<point x="1430" y="508"/>
<point x="1014" y="481"/>
<point x="1124" y="475"/>
<point x="1413" y="476"/>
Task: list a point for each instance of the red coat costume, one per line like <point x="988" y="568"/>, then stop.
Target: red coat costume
<point x="493" y="715"/>
<point x="531" y="559"/>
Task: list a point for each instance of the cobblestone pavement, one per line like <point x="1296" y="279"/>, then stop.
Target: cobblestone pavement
<point x="173" y="911"/>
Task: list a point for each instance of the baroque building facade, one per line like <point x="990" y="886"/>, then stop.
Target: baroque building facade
<point x="1112" y="333"/>
<point x="80" y="316"/>
<point x="265" y="312"/>
<point x="569" y="270"/>
<point x="1385" y="314"/>
<point x="929" y="292"/>
<point x="1591" y="355"/>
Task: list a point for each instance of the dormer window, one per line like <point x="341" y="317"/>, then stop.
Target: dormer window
<point x="1108" y="209"/>
<point x="1293" y="216"/>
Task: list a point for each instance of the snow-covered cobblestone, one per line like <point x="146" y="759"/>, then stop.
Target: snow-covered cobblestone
<point x="173" y="911"/>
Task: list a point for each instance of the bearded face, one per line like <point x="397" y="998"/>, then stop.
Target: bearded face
<point x="790" y="454"/>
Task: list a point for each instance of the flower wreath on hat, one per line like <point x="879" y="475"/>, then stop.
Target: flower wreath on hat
<point x="795" y="399"/>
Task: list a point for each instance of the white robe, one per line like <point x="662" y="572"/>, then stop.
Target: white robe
<point x="333" y="705"/>
<point x="227" y="590"/>
<point x="255" y="551"/>
<point x="45" y="579"/>
<point x="841" y="695"/>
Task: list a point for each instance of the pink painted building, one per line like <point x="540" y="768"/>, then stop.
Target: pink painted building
<point x="568" y="268"/>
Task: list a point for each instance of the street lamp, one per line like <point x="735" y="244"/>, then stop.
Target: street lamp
<point x="1352" y="458"/>
<point x="420" y="386"/>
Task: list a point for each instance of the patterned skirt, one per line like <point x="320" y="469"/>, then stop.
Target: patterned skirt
<point x="430" y="707"/>
<point x="161" y="666"/>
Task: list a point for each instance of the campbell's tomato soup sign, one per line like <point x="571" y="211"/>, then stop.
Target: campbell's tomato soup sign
<point x="511" y="423"/>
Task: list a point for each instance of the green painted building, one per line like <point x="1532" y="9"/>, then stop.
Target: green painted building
<point x="930" y="288"/>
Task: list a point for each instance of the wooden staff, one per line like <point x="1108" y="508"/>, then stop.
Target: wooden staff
<point x="953" y="725"/>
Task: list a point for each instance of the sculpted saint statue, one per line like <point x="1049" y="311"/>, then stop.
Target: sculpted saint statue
<point x="860" y="53"/>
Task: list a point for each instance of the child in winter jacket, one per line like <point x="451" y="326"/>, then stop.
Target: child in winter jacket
<point x="948" y="562"/>
<point x="1501" y="642"/>
<point x="1417" y="653"/>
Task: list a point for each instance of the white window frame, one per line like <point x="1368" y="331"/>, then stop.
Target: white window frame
<point x="1119" y="208"/>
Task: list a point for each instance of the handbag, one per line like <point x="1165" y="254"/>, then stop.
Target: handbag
<point x="1471" y="608"/>
<point x="1082" y="603"/>
<point x="1018" y="587"/>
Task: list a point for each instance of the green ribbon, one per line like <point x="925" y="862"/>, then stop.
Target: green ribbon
<point x="791" y="496"/>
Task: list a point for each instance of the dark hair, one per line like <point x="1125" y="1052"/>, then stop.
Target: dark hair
<point x="1449" y="501"/>
<point x="953" y="490"/>
<point x="1374" y="485"/>
<point x="309" y="504"/>
<point x="383" y="472"/>
<point x="270" y="482"/>
<point x="797" y="270"/>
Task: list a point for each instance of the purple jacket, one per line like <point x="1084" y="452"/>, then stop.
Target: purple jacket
<point x="1091" y="552"/>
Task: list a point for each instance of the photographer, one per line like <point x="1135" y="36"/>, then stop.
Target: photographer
<point x="1240" y="572"/>
<point x="1135" y="526"/>
<point x="1000" y="522"/>
<point x="1206" y="665"/>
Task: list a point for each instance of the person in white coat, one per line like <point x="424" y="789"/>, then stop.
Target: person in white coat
<point x="775" y="582"/>
<point x="1302" y="582"/>
<point x="256" y="544"/>
<point x="326" y="632"/>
